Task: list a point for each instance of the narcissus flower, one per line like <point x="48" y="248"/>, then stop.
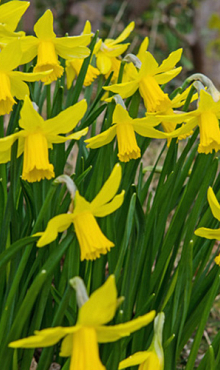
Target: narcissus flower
<point x="92" y="241"/>
<point x="206" y="116"/>
<point x="124" y="128"/>
<point x="107" y="51"/>
<point x="80" y="342"/>
<point x="73" y="66"/>
<point x="12" y="82"/>
<point x="10" y="15"/>
<point x="148" y="78"/>
<point x="37" y="136"/>
<point x="153" y="358"/>
<point x="47" y="47"/>
<point x="211" y="233"/>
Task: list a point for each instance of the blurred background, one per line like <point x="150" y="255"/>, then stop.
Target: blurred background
<point x="193" y="25"/>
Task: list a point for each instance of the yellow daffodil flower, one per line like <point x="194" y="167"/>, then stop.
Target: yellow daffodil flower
<point x="80" y="342"/>
<point x="153" y="358"/>
<point x="10" y="15"/>
<point x="12" y="82"/>
<point x="148" y="78"/>
<point x="206" y="116"/>
<point x="124" y="128"/>
<point x="92" y="241"/>
<point x="47" y="47"/>
<point x="73" y="66"/>
<point x="37" y="136"/>
<point x="109" y="50"/>
<point x="211" y="233"/>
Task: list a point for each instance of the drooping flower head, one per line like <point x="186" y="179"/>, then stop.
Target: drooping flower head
<point x="153" y="358"/>
<point x="37" y="136"/>
<point x="148" y="78"/>
<point x="206" y="116"/>
<point x="73" y="66"/>
<point x="124" y="128"/>
<point x="80" y="342"/>
<point x="92" y="241"/>
<point x="211" y="233"/>
<point x="12" y="82"/>
<point x="47" y="47"/>
<point x="108" y="51"/>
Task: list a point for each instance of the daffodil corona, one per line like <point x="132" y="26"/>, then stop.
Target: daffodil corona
<point x="92" y="241"/>
<point x="37" y="136"/>
<point x="124" y="128"/>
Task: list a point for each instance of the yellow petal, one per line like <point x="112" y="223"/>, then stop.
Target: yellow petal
<point x="121" y="115"/>
<point x="101" y="306"/>
<point x="170" y="62"/>
<point x="56" y="139"/>
<point x="5" y="147"/>
<point x="10" y="56"/>
<point x="107" y="209"/>
<point x="133" y="360"/>
<point x="11" y="12"/>
<point x="124" y="34"/>
<point x="125" y="89"/>
<point x="112" y="333"/>
<point x="19" y="89"/>
<point x="102" y="139"/>
<point x="74" y="52"/>
<point x="108" y="190"/>
<point x="103" y="62"/>
<point x="44" y="26"/>
<point x="56" y="225"/>
<point x="43" y="338"/>
<point x="208" y="233"/>
<point x="73" y="41"/>
<point x="165" y="77"/>
<point x="30" y="120"/>
<point x="214" y="204"/>
<point x="149" y="65"/>
<point x="116" y="51"/>
<point x="127" y="143"/>
<point x="67" y="120"/>
<point x="143" y="48"/>
<point x="146" y="130"/>
<point x="209" y="132"/>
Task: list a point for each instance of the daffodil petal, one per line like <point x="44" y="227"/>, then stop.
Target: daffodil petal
<point x="101" y="306"/>
<point x="29" y="118"/>
<point x="19" y="89"/>
<point x="31" y="77"/>
<point x="44" y="26"/>
<point x="107" y="209"/>
<point x="207" y="103"/>
<point x="208" y="233"/>
<point x="43" y="338"/>
<point x="12" y="12"/>
<point x="10" y="56"/>
<point x="69" y="53"/>
<point x="214" y="204"/>
<point x="124" y="89"/>
<point x="149" y="65"/>
<point x="102" y="139"/>
<point x="56" y="225"/>
<point x="73" y="41"/>
<point x="109" y="189"/>
<point x="121" y="115"/>
<point x="143" y="129"/>
<point x="184" y="129"/>
<point x="117" y="50"/>
<point x="136" y="359"/>
<point x="5" y="147"/>
<point x="143" y="48"/>
<point x="103" y="63"/>
<point x="56" y="139"/>
<point x="124" y="34"/>
<point x="112" y="333"/>
<point x="167" y="76"/>
<point x="29" y="47"/>
<point x="170" y="62"/>
<point x="69" y="118"/>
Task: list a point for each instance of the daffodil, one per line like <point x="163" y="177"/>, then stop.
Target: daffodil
<point x="37" y="136"/>
<point x="148" y="78"/>
<point x="10" y="15"/>
<point x="12" y="82"/>
<point x="47" y="47"/>
<point x="108" y="51"/>
<point x="206" y="116"/>
<point x="92" y="241"/>
<point x="124" y="128"/>
<point x="211" y="233"/>
<point x="80" y="342"/>
<point x="153" y="358"/>
<point x="73" y="66"/>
